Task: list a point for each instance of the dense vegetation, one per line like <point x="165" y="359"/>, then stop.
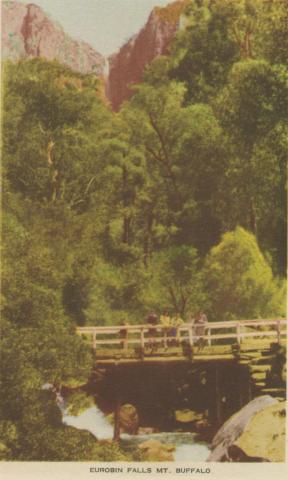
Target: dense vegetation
<point x="176" y="202"/>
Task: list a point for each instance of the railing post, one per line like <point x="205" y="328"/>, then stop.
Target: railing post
<point x="94" y="339"/>
<point x="238" y="327"/>
<point x="278" y="331"/>
<point x="178" y="336"/>
<point x="165" y="337"/>
<point x="209" y="336"/>
<point x="191" y="340"/>
<point x="142" y="339"/>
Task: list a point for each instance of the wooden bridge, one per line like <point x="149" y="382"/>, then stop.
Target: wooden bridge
<point x="253" y="352"/>
<point x="147" y="343"/>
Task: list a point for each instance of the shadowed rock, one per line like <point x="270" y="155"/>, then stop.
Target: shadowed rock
<point x="233" y="428"/>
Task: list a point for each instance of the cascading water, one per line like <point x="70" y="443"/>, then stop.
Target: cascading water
<point x="187" y="446"/>
<point x="92" y="420"/>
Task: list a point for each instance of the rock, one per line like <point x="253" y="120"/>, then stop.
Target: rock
<point x="147" y="430"/>
<point x="28" y="32"/>
<point x="233" y="428"/>
<point x="264" y="436"/>
<point x="128" y="419"/>
<point x="155" y="451"/>
<point x="188" y="416"/>
<point x="127" y="65"/>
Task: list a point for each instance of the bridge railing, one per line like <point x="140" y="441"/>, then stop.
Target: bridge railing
<point x="213" y="332"/>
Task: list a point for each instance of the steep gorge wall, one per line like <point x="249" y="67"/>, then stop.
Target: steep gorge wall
<point x="27" y="32"/>
<point x="128" y="64"/>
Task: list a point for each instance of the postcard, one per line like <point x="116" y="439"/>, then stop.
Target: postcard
<point x="144" y="228"/>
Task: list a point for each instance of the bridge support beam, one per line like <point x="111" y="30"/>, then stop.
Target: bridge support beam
<point x="117" y="395"/>
<point x="218" y="399"/>
<point x="116" y="436"/>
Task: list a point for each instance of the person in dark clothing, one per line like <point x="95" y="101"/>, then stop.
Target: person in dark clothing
<point x="199" y="326"/>
<point x="123" y="334"/>
<point x="152" y="320"/>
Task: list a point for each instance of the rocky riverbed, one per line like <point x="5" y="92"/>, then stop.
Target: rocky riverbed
<point x="256" y="433"/>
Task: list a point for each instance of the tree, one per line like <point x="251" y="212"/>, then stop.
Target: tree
<point x="251" y="110"/>
<point x="271" y="36"/>
<point x="174" y="281"/>
<point x="239" y="281"/>
<point x="205" y="51"/>
<point x="50" y="146"/>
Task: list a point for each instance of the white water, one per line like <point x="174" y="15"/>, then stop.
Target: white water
<point x="187" y="447"/>
<point x="93" y="420"/>
<point x="191" y="453"/>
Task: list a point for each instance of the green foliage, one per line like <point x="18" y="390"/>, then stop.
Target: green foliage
<point x="67" y="444"/>
<point x="239" y="281"/>
<point x="51" y="133"/>
<point x="206" y="50"/>
<point x="107" y="216"/>
<point x="251" y="108"/>
<point x="272" y="34"/>
<point x="252" y="102"/>
<point x="78" y="402"/>
<point x="175" y="282"/>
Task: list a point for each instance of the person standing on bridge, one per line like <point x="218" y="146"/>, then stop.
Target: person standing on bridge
<point x="177" y="321"/>
<point x="200" y="324"/>
<point x="165" y="322"/>
<point x="123" y="334"/>
<point x="152" y="320"/>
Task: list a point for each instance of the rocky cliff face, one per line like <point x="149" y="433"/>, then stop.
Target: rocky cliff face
<point x="28" y="32"/>
<point x="127" y="65"/>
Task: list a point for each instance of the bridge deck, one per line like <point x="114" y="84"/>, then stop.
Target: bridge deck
<point x="215" y="354"/>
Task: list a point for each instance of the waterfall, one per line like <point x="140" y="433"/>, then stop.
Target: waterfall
<point x="92" y="420"/>
<point x="191" y="453"/>
<point x="187" y="447"/>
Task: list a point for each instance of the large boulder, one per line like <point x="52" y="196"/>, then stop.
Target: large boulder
<point x="128" y="419"/>
<point x="224" y="444"/>
<point x="155" y="451"/>
<point x="264" y="436"/>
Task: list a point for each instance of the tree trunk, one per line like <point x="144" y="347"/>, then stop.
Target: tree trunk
<point x="127" y="218"/>
<point x="116" y="436"/>
<point x="147" y="239"/>
<point x="126" y="229"/>
<point x="54" y="172"/>
<point x="253" y="219"/>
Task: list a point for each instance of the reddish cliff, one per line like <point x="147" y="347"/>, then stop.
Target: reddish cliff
<point x="28" y="32"/>
<point x="127" y="65"/>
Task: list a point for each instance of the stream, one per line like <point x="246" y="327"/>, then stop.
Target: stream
<point x="188" y="447"/>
